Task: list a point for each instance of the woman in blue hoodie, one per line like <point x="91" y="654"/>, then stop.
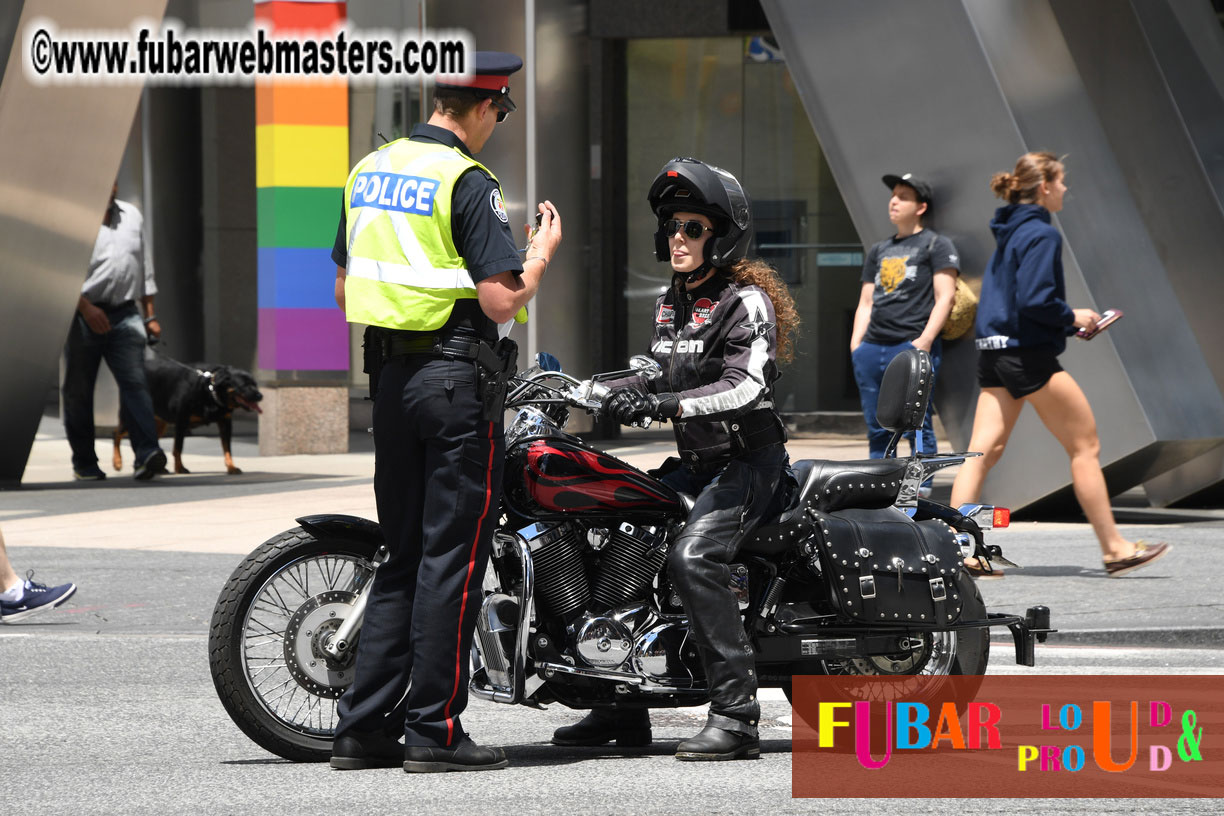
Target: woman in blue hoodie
<point x="1023" y="321"/>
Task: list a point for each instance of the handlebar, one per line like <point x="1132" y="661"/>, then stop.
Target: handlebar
<point x="527" y="387"/>
<point x="585" y="394"/>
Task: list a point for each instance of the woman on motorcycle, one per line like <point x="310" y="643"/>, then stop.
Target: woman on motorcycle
<point x="718" y="332"/>
<point x="1022" y="325"/>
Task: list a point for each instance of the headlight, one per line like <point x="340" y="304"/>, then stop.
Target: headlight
<point x="530" y="422"/>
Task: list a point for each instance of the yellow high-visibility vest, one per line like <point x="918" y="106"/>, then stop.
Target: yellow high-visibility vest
<point x="403" y="269"/>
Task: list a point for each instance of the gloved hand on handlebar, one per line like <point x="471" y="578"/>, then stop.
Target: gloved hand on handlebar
<point x="628" y="405"/>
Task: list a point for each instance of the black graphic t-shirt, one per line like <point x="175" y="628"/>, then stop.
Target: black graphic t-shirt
<point x="903" y="271"/>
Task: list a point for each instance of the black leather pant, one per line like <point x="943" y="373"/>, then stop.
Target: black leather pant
<point x="731" y="504"/>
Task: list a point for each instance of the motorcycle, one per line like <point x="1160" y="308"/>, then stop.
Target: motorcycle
<point x="859" y="576"/>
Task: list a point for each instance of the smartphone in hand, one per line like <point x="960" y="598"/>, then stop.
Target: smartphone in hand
<point x="1108" y="317"/>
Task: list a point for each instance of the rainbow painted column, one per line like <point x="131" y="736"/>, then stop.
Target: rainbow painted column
<point x="301" y="138"/>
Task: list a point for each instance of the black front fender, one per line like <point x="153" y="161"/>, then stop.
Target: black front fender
<point x="324" y="526"/>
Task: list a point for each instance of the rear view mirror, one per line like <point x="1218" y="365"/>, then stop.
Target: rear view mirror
<point x="646" y="366"/>
<point x="547" y="362"/>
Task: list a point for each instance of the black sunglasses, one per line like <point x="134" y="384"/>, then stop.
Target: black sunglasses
<point x="693" y="229"/>
<point x="504" y="107"/>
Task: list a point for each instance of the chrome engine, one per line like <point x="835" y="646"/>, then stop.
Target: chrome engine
<point x="637" y="639"/>
<point x="562" y="586"/>
<point x="600" y="582"/>
<point x="603" y="642"/>
<point x="602" y="585"/>
<point x="629" y="559"/>
<point x="628" y="564"/>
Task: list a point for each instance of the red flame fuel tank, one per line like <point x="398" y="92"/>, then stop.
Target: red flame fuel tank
<point x="558" y="477"/>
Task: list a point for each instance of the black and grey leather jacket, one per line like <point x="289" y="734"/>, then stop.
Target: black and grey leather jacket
<point x="717" y="345"/>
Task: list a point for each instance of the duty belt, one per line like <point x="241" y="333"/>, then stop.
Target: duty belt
<point x="453" y="347"/>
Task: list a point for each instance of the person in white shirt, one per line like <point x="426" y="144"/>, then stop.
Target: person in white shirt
<point x="113" y="321"/>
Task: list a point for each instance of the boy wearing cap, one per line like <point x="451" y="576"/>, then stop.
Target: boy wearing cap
<point x="909" y="281"/>
<point x="427" y="260"/>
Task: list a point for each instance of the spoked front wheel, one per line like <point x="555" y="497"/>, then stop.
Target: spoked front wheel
<point x="278" y="609"/>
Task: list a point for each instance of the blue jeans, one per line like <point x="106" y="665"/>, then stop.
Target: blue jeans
<point x="123" y="349"/>
<point x="869" y="361"/>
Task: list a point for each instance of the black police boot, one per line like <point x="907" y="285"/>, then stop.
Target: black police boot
<point x="357" y="752"/>
<point x="716" y="744"/>
<point x="630" y="727"/>
<point x="465" y="756"/>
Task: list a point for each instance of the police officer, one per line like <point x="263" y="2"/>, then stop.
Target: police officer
<point x="718" y="333"/>
<point x="426" y="258"/>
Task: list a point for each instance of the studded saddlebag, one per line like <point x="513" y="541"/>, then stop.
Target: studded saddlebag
<point x="880" y="567"/>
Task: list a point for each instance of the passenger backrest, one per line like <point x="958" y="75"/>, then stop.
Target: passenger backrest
<point x="905" y="391"/>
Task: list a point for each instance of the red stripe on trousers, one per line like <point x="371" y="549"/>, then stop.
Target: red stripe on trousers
<point x="450" y="721"/>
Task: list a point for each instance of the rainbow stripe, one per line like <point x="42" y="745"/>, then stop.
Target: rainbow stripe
<point x="301" y="163"/>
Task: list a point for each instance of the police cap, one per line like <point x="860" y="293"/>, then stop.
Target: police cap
<point x="490" y="75"/>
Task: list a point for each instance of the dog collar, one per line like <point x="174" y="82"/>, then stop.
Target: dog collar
<point x="212" y="388"/>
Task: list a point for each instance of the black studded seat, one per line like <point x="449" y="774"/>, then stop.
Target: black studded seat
<point x="864" y="484"/>
<point x="827" y="486"/>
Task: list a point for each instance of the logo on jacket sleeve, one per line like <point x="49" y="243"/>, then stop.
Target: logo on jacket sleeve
<point x="758" y="326"/>
<point x="499" y="207"/>
<point x="702" y="310"/>
<point x="666" y="314"/>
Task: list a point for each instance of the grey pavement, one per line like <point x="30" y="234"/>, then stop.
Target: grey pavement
<point x="110" y="708"/>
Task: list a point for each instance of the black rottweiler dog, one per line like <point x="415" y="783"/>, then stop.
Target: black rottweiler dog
<point x="188" y="396"/>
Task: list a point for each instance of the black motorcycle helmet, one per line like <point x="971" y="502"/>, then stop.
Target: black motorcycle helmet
<point x="690" y="185"/>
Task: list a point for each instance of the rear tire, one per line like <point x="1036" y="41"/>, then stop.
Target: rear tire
<point x="264" y="640"/>
<point x="971" y="656"/>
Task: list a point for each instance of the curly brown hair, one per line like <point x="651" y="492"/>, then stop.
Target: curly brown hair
<point x="755" y="272"/>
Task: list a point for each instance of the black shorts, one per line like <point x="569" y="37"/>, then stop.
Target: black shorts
<point x="1020" y="370"/>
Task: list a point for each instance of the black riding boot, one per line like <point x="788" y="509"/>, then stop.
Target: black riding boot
<point x="630" y="727"/>
<point x="715" y="743"/>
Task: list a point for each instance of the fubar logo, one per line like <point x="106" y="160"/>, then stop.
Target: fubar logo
<point x="1054" y="736"/>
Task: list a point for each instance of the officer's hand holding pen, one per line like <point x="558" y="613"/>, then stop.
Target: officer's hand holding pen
<point x="543" y="240"/>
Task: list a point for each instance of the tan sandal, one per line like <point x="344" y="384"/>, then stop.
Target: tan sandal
<point x="982" y="570"/>
<point x="1144" y="554"/>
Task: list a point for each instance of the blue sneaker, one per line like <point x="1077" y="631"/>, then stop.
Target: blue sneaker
<point x="37" y="598"/>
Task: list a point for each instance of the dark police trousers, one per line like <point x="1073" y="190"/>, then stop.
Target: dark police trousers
<point x="437" y="481"/>
<point x="732" y="503"/>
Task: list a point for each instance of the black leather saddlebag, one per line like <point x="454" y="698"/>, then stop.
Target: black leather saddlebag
<point x="881" y="567"/>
